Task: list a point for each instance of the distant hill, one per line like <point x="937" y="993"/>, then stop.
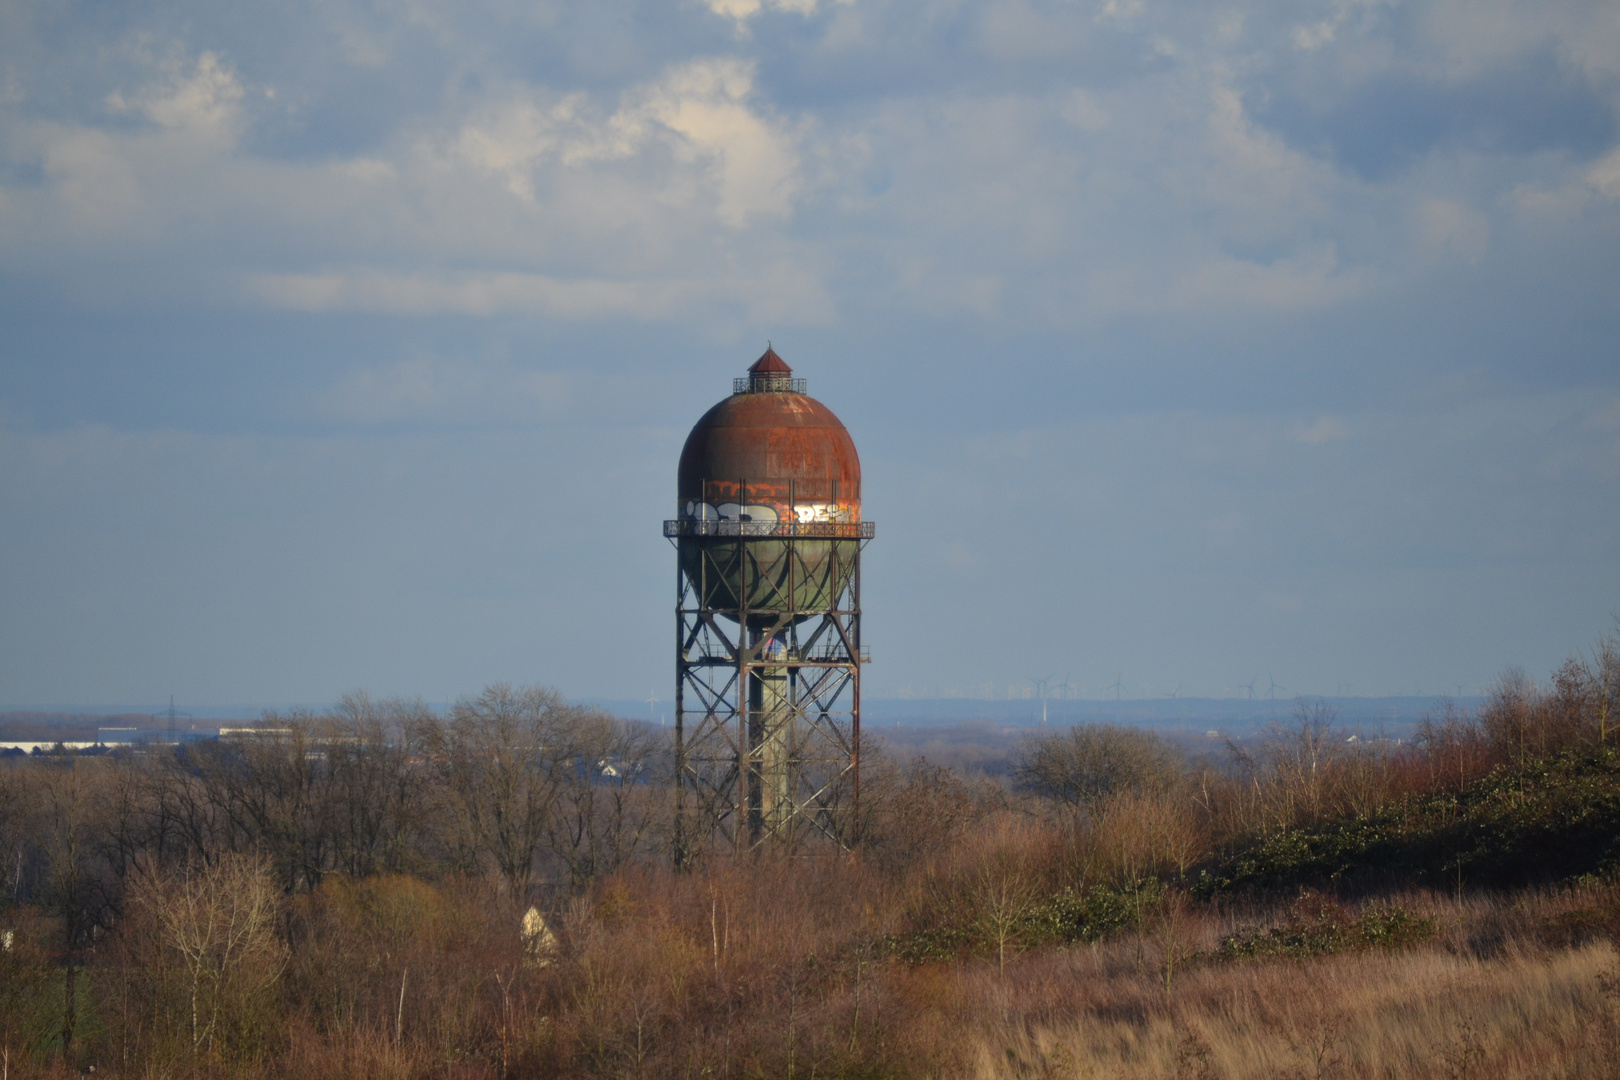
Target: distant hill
<point x="1393" y="717"/>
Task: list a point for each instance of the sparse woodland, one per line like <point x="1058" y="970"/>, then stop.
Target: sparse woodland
<point x="345" y="895"/>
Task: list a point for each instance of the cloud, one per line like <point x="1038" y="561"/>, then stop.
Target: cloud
<point x="1605" y="175"/>
<point x="1084" y="112"/>
<point x="1188" y="165"/>
<point x="610" y="199"/>
<point x="1218" y="283"/>
<point x="1447" y="227"/>
<point x="97" y="187"/>
<point x="440" y="390"/>
<point x="753" y="160"/>
<point x="485" y="294"/>
<point x="699" y="112"/>
<point x="743" y="10"/>
<point x="1325" y="429"/>
<point x="781" y="293"/>
<point x="205" y="102"/>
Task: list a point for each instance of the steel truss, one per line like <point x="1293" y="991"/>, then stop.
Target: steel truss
<point x="767" y="693"/>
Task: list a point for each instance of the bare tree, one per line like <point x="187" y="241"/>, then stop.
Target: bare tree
<point x="1004" y="892"/>
<point x="16" y="826"/>
<point x="376" y="799"/>
<point x="268" y="790"/>
<point x="1606" y="670"/>
<point x="220" y="923"/>
<point x="609" y="801"/>
<point x="1090" y="762"/>
<point x="1294" y="767"/>
<point x="1454" y="746"/>
<point x="1510" y="716"/>
<point x="915" y="812"/>
<point x="504" y="758"/>
<point x="75" y="890"/>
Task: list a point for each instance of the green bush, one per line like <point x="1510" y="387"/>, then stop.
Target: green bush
<point x="1316" y="926"/>
<point x="1062" y="918"/>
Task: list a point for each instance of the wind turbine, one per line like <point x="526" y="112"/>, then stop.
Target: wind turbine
<point x="652" y="703"/>
<point x="1271" y="694"/>
<point x="1118" y="685"/>
<point x="1249" y="686"/>
<point x="1176" y="692"/>
<point x="1040" y="684"/>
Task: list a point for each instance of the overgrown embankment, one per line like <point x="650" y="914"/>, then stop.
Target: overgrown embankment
<point x="1533" y="823"/>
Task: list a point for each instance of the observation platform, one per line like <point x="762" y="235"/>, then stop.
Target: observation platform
<point x="769" y="384"/>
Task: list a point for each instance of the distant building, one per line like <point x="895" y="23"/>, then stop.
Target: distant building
<point x="13" y="748"/>
<point x="129" y="736"/>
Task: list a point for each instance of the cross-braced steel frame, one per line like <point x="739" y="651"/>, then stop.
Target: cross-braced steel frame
<point x="768" y="685"/>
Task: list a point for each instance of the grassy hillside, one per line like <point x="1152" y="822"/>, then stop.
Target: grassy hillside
<point x="1543" y="821"/>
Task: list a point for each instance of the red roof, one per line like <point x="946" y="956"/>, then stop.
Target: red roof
<point x="770" y="364"/>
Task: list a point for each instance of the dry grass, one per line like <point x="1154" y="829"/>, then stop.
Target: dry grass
<point x="1417" y="1015"/>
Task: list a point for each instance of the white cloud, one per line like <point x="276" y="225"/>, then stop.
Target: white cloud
<point x="98" y="189"/>
<point x="1313" y="37"/>
<point x="692" y="189"/>
<point x="743" y="10"/>
<point x="1311" y="279"/>
<point x="1448" y="227"/>
<point x="481" y="294"/>
<point x="753" y="160"/>
<point x="700" y="111"/>
<point x="518" y="138"/>
<point x="1605" y="175"/>
<point x="205" y="102"/>
<point x="1120" y="11"/>
<point x="1325" y="429"/>
<point x="778" y="293"/>
<point x="435" y="389"/>
<point x="1084" y="111"/>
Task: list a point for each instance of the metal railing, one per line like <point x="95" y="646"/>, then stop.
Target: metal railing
<point x="768" y="384"/>
<point x="819" y="657"/>
<point x="857" y="530"/>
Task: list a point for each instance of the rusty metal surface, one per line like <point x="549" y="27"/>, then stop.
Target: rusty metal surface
<point x="769" y="364"/>
<point x="776" y="449"/>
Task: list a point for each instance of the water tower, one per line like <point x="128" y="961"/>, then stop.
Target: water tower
<point x="768" y="620"/>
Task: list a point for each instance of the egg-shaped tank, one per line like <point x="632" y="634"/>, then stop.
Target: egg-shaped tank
<point x="769" y="500"/>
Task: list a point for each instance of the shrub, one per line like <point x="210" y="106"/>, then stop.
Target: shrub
<point x="1090" y="762"/>
<point x="1315" y="925"/>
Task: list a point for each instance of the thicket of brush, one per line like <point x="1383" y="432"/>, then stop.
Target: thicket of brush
<point x="349" y="895"/>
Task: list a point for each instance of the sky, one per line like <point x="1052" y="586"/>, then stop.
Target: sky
<point x="351" y="345"/>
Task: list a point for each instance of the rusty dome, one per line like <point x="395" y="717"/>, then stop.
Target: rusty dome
<point x="770" y="453"/>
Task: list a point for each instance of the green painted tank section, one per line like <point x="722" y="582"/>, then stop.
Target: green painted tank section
<point x="782" y="577"/>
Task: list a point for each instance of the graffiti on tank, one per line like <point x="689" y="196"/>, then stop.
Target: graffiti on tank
<point x="804" y="513"/>
<point x="823" y="513"/>
<point x="730" y="511"/>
